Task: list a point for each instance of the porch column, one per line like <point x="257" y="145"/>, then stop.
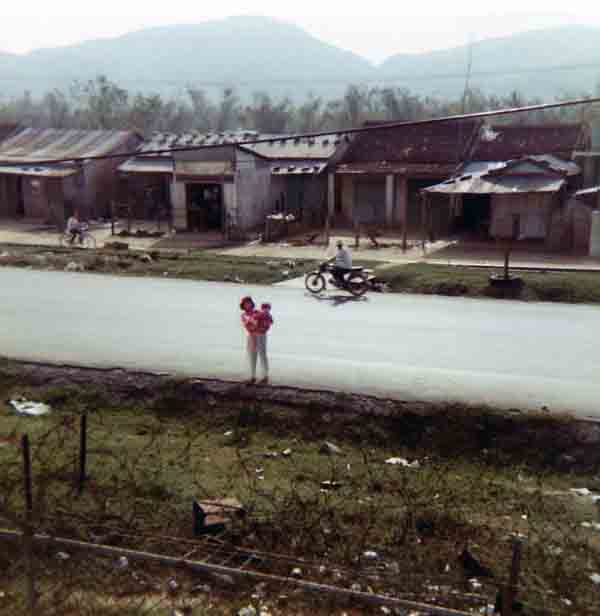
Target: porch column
<point x="179" y="205"/>
<point x="424" y="198"/>
<point x="589" y="171"/>
<point x="389" y="200"/>
<point x="402" y="199"/>
<point x="4" y="209"/>
<point x="330" y="195"/>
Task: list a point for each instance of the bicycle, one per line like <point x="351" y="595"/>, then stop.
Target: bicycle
<point x="84" y="239"/>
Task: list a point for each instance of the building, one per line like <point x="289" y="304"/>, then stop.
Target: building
<point x="576" y="221"/>
<point x="211" y="181"/>
<point x="298" y="184"/>
<point x="33" y="188"/>
<point x="517" y="180"/>
<point x="377" y="176"/>
<point x="499" y="200"/>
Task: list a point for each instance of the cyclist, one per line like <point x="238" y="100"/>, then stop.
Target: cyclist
<point x="74" y="227"/>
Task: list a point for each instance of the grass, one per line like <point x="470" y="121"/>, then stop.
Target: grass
<point x="150" y="455"/>
<point x="198" y="265"/>
<point x="569" y="287"/>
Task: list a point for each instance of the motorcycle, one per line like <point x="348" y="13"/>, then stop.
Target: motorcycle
<point x="356" y="281"/>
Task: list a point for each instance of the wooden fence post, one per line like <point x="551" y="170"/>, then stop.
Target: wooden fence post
<point x="423" y="222"/>
<point x="82" y="451"/>
<point x="515" y="570"/>
<point x="27" y="474"/>
<point x="28" y="530"/>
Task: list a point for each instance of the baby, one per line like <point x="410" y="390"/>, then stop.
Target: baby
<point x="264" y="318"/>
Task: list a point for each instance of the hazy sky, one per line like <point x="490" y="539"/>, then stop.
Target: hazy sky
<point x="374" y="36"/>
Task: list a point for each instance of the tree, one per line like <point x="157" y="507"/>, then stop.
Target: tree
<point x="146" y="113"/>
<point x="104" y="103"/>
<point x="229" y="111"/>
<point x="57" y="110"/>
<point x="203" y="111"/>
<point x="354" y="103"/>
<point x="268" y="117"/>
<point x="309" y="116"/>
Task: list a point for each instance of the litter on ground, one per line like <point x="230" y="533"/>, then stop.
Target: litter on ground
<point x="403" y="462"/>
<point x="28" y="407"/>
<point x="584" y="492"/>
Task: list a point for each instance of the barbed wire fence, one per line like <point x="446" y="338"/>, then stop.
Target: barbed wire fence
<point x="72" y="539"/>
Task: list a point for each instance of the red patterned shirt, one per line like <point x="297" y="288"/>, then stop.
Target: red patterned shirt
<point x="250" y="322"/>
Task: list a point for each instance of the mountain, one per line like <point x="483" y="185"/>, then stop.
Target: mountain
<point x="263" y="54"/>
<point x="542" y="63"/>
<point x="250" y="53"/>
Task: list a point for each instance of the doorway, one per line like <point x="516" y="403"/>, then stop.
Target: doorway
<point x="475" y="215"/>
<point x="369" y="201"/>
<point x="204" y="204"/>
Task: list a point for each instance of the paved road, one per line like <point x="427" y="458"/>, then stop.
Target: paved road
<point x="507" y="353"/>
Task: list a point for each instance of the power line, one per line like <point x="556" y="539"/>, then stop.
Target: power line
<point x="346" y="132"/>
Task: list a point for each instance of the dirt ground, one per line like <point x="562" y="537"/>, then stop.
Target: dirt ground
<point x="39" y="234"/>
<point x="389" y="250"/>
<point x="523" y="254"/>
<point x="461" y="480"/>
<point x="441" y="252"/>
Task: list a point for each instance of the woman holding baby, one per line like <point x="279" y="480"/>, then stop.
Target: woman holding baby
<point x="256" y="323"/>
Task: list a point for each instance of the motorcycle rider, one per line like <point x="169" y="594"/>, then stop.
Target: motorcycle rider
<point x="342" y="263"/>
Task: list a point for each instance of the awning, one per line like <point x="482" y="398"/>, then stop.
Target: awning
<point x="147" y="165"/>
<point x="298" y="168"/>
<point x="435" y="170"/>
<point x="48" y="171"/>
<point x="497" y="185"/>
<point x="198" y="170"/>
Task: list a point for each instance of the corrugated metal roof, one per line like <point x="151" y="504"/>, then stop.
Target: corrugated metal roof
<point x="298" y="168"/>
<point x="509" y="141"/>
<point x="192" y="168"/>
<point x="147" y="165"/>
<point x="167" y="140"/>
<point x="486" y="184"/>
<point x="31" y="144"/>
<point x="446" y="143"/>
<point x="558" y="164"/>
<point x="593" y="190"/>
<point x="480" y="168"/>
<point x="319" y="148"/>
<point x="545" y="161"/>
<point x="284" y="146"/>
<point x="455" y="141"/>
